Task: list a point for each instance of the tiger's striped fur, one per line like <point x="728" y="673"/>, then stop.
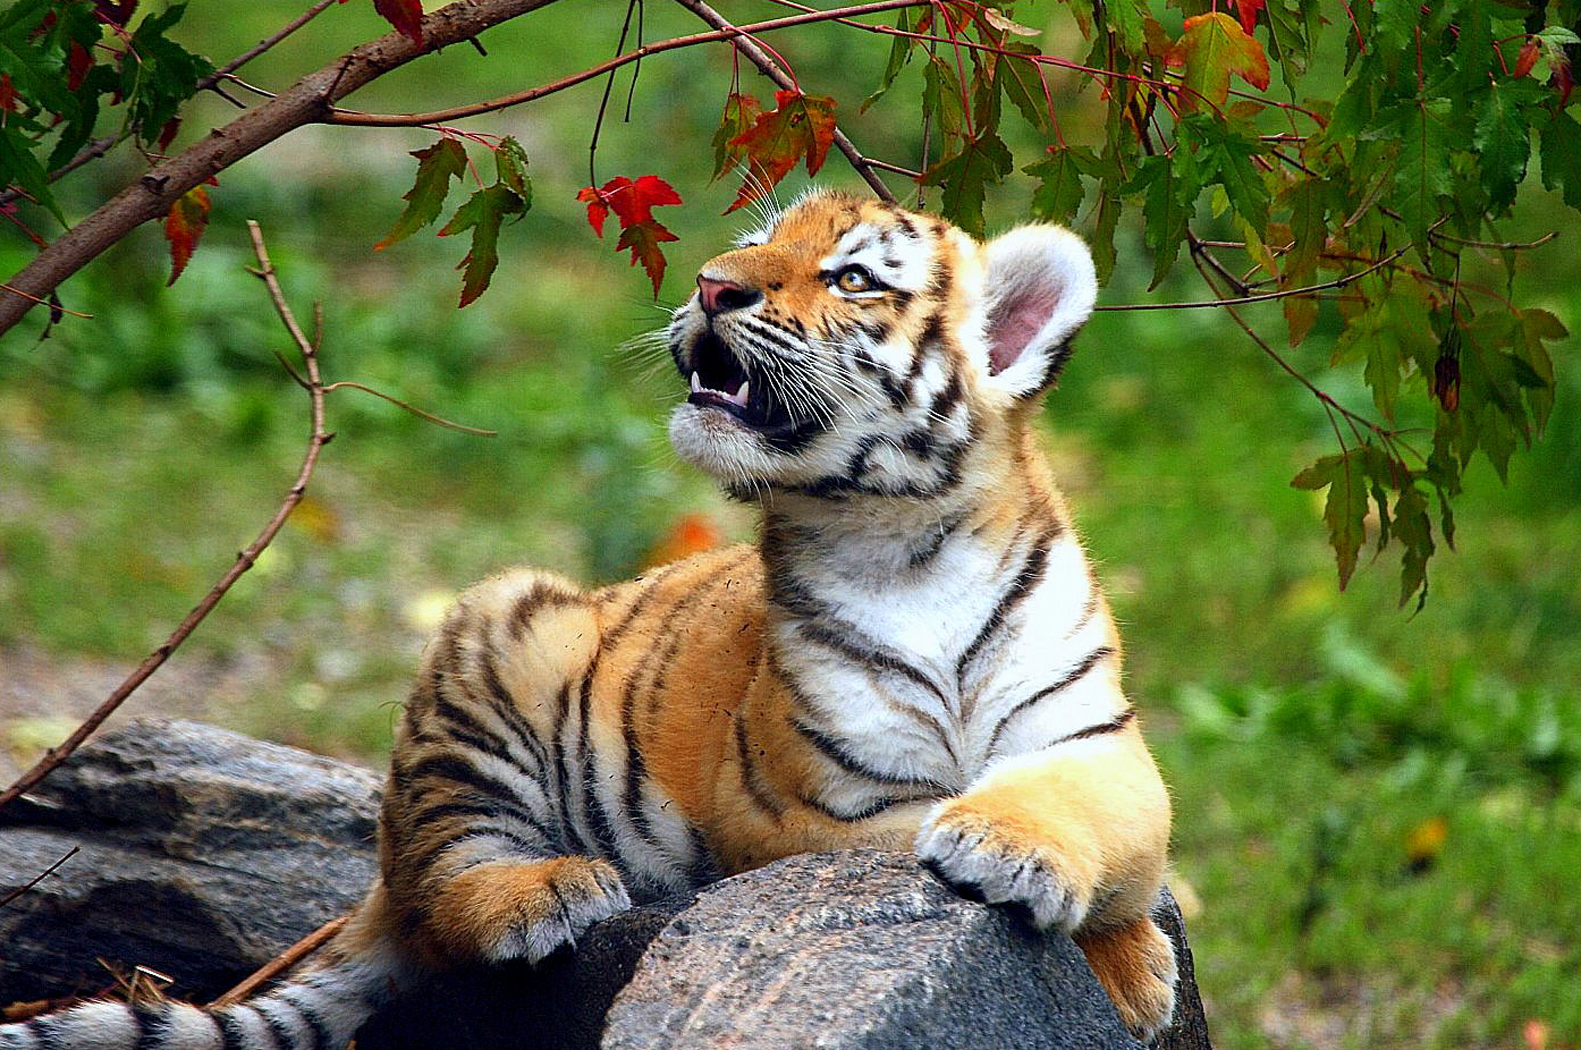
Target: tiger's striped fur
<point x="916" y="654"/>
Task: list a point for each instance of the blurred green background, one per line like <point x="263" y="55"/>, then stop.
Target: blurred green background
<point x="1378" y="822"/>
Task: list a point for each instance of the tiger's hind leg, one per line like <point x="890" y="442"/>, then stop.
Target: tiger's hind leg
<point x="1135" y="963"/>
<point x="478" y="860"/>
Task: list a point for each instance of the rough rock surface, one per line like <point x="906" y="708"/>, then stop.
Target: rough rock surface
<point x="204" y="853"/>
<point x="859" y="949"/>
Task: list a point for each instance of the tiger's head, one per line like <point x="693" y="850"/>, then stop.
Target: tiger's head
<point x="852" y="347"/>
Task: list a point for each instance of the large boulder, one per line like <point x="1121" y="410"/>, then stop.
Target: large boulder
<point x="205" y="853"/>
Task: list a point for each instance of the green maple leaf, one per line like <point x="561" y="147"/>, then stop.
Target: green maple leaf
<point x="1060" y="191"/>
<point x="1559" y="146"/>
<point x="483" y="213"/>
<point x="436" y="166"/>
<point x="1503" y="141"/>
<point x="1125" y="18"/>
<point x="510" y="166"/>
<point x="1019" y="80"/>
<point x="159" y="74"/>
<point x="965" y="177"/>
<point x="1414" y="529"/>
<point x="1345" y="511"/>
<point x="899" y="56"/>
<point x="1171" y="184"/>
<point x="1421" y="176"/>
<point x="1224" y="156"/>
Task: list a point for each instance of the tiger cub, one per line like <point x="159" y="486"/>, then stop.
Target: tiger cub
<point x="914" y="656"/>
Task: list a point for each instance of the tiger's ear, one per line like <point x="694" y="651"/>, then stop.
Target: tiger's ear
<point x="1039" y="288"/>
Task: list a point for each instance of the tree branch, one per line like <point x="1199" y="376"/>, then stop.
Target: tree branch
<point x="771" y="69"/>
<point x="317" y="439"/>
<point x="304" y="102"/>
<point x="282" y="962"/>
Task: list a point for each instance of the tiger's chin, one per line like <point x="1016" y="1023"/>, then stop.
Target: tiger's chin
<point x="720" y="444"/>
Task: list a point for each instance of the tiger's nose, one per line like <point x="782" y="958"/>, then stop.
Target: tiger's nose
<point x="722" y="296"/>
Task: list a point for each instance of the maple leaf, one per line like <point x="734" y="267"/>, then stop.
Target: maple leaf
<point x="1345" y="510"/>
<point x="799" y="126"/>
<point x="1246" y="11"/>
<point x="741" y="112"/>
<point x="184" y="227"/>
<point x="965" y="177"/>
<point x="436" y="166"/>
<point x="405" y="15"/>
<point x="633" y="204"/>
<point x="483" y="213"/>
<point x="1212" y="47"/>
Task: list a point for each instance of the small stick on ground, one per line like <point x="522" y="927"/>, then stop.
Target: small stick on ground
<point x="40" y="877"/>
<point x="282" y="962"/>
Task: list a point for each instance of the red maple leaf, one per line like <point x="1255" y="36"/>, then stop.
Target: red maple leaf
<point x="800" y="126"/>
<point x="184" y="227"/>
<point x="1526" y="59"/>
<point x="633" y="204"/>
<point x="1246" y="11"/>
<point x="7" y="94"/>
<point x="405" y="15"/>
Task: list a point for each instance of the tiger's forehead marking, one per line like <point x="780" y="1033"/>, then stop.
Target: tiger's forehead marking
<point x="898" y="257"/>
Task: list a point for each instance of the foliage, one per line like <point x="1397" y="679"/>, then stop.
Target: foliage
<point x="1368" y="197"/>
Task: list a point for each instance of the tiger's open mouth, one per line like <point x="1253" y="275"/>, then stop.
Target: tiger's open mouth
<point x="720" y="380"/>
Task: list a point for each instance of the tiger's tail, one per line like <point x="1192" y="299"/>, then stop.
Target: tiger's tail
<point x="319" y="1010"/>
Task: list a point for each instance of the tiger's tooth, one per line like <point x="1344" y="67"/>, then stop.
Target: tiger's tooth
<point x="697" y="384"/>
<point x="740" y="396"/>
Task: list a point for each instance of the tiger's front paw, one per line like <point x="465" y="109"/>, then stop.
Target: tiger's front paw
<point x="983" y="861"/>
<point x="507" y="910"/>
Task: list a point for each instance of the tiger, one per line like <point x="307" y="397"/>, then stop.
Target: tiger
<point x="915" y="654"/>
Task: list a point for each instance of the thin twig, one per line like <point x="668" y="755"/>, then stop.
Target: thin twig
<point x="92" y="151"/>
<point x="263" y="45"/>
<point x="1338" y="282"/>
<point x="245" y="560"/>
<point x="281" y="963"/>
<point x="413" y="409"/>
<point x="40" y="877"/>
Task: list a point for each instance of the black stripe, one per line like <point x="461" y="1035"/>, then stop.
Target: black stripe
<point x="323" y="1035"/>
<point x="526" y="852"/>
<point x="871" y="810"/>
<point x="592" y="805"/>
<point x="541" y="595"/>
<point x="1032" y="569"/>
<point x="44" y="1032"/>
<point x="921" y="556"/>
<point x="233" y="1034"/>
<point x="835" y="752"/>
<point x="504" y="705"/>
<point x="152" y="1022"/>
<point x="475" y="813"/>
<point x="1077" y="673"/>
<point x="283" y="1037"/>
<point x="456" y="769"/>
<point x="562" y="774"/>
<point x="758" y="792"/>
<point x="876" y="657"/>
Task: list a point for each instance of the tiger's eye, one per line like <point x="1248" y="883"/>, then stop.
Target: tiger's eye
<point x="854" y="279"/>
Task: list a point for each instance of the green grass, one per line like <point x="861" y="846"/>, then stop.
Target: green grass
<point x="1309" y="736"/>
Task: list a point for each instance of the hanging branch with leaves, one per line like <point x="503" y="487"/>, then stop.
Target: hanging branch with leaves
<point x="1379" y="198"/>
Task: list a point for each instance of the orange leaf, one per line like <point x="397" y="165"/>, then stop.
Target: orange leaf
<point x="1212" y="47"/>
<point x="184" y="227"/>
<point x="405" y="15"/>
<point x="633" y="204"/>
<point x="800" y="126"/>
<point x="693" y="534"/>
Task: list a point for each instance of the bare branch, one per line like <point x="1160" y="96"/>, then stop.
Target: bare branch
<point x="304" y="102"/>
<point x="413" y="409"/>
<point x="263" y="45"/>
<point x="317" y="439"/>
<point x="472" y="109"/>
<point x="1338" y="282"/>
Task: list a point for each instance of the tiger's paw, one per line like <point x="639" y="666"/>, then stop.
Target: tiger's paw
<point x="1135" y="964"/>
<point x="510" y="909"/>
<point x="982" y="862"/>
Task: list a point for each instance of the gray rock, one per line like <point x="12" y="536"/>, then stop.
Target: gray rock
<point x="203" y="854"/>
<point x="858" y="949"/>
